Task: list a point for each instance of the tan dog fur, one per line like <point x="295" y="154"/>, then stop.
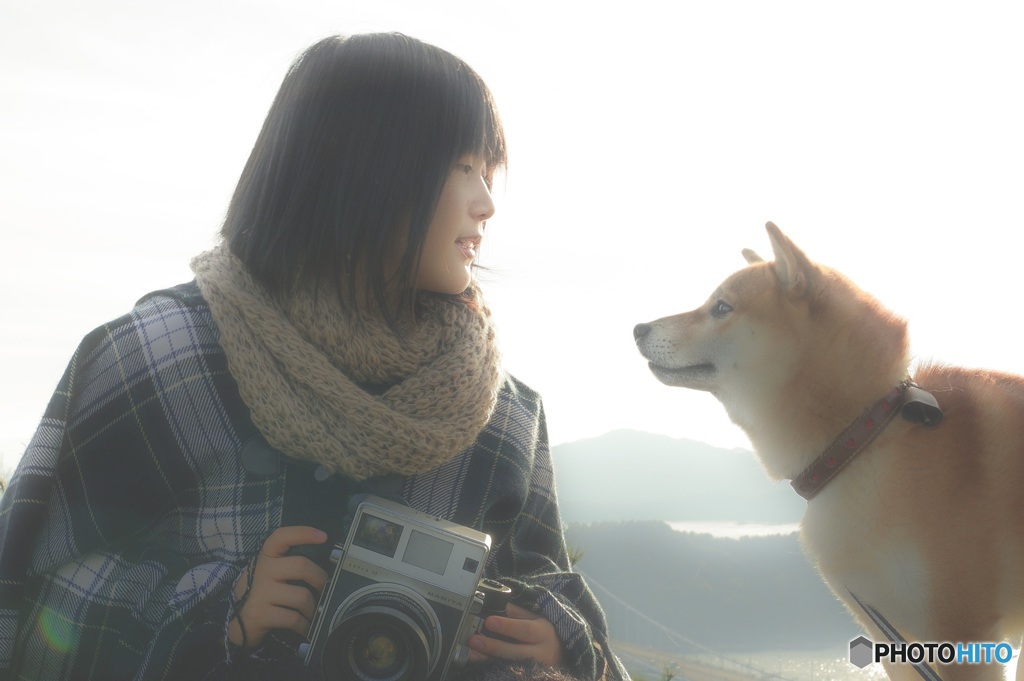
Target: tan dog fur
<point x="927" y="524"/>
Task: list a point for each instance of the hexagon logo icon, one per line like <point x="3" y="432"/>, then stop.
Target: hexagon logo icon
<point x="861" y="652"/>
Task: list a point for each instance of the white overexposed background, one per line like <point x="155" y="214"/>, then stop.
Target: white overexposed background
<point x="650" y="141"/>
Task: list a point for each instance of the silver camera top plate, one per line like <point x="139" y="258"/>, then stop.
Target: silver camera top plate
<point x="402" y="540"/>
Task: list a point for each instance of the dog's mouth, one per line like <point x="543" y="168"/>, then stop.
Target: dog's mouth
<point x="689" y="376"/>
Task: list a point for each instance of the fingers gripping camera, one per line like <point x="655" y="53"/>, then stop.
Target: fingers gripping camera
<point x="405" y="595"/>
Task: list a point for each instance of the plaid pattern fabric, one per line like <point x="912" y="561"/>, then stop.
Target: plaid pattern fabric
<point x="131" y="513"/>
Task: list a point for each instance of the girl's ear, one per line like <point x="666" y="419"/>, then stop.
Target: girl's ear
<point x="792" y="268"/>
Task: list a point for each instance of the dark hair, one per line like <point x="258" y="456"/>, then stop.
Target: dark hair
<point x="349" y="166"/>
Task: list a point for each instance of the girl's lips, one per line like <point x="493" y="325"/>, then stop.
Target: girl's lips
<point x="468" y="246"/>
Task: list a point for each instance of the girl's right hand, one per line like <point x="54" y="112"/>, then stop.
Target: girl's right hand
<point x="278" y="597"/>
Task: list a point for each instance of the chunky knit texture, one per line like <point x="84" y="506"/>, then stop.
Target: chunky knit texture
<point x="300" y="361"/>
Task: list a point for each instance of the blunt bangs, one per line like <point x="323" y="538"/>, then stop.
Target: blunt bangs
<point x="346" y="173"/>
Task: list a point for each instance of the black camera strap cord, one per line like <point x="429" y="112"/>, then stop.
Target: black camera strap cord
<point x="894" y="636"/>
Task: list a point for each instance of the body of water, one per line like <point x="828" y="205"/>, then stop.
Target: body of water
<point x="733" y="530"/>
<point x="823" y="665"/>
<point x="829" y="666"/>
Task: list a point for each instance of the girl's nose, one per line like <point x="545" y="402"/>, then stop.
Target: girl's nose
<point x="483" y="204"/>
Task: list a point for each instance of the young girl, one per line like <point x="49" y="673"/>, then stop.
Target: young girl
<point x="334" y="342"/>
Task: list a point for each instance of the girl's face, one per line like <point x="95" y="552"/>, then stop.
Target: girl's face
<point x="457" y="229"/>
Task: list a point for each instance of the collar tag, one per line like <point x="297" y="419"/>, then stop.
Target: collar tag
<point x="921" y="407"/>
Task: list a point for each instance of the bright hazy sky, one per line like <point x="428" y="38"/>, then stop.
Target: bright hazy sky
<point x="650" y="141"/>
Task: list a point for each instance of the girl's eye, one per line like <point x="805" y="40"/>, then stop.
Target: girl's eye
<point x="720" y="309"/>
<point x="465" y="168"/>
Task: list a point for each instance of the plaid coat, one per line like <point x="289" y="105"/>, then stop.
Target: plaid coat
<point x="135" y="507"/>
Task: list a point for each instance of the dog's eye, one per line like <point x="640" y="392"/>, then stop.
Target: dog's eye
<point x="720" y="309"/>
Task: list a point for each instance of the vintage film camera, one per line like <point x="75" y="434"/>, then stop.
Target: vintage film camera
<point x="405" y="595"/>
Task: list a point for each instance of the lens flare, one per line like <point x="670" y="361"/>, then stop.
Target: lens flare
<point x="56" y="630"/>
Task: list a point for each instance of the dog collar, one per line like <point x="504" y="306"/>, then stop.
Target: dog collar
<point x="912" y="402"/>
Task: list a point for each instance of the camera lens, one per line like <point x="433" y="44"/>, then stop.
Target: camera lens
<point x="386" y="635"/>
<point x="384" y="646"/>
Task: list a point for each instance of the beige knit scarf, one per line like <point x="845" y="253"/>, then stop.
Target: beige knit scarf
<point x="299" y="363"/>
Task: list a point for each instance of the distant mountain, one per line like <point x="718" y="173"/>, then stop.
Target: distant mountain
<point x="631" y="475"/>
<point x="682" y="592"/>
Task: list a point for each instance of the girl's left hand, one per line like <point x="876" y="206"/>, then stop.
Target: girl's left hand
<point x="534" y="635"/>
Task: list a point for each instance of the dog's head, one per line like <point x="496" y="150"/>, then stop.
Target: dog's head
<point x="726" y="338"/>
<point x="792" y="349"/>
<point x="769" y="325"/>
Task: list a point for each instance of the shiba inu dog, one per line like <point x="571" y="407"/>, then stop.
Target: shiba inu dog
<point x="915" y="483"/>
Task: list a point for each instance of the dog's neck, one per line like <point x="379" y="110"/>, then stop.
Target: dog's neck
<point x="796" y="440"/>
<point x="789" y="433"/>
<point x="854" y="439"/>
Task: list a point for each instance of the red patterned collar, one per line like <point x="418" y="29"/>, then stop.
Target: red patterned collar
<point x="915" y="404"/>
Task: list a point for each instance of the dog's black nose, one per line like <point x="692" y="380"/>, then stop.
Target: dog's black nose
<point x="641" y="330"/>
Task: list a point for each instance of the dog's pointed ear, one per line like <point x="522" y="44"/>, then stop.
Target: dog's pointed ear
<point x="751" y="257"/>
<point x="792" y="267"/>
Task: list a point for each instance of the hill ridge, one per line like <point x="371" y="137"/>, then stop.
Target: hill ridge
<point x="627" y="475"/>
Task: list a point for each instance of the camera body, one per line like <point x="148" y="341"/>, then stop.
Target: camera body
<point x="405" y="594"/>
